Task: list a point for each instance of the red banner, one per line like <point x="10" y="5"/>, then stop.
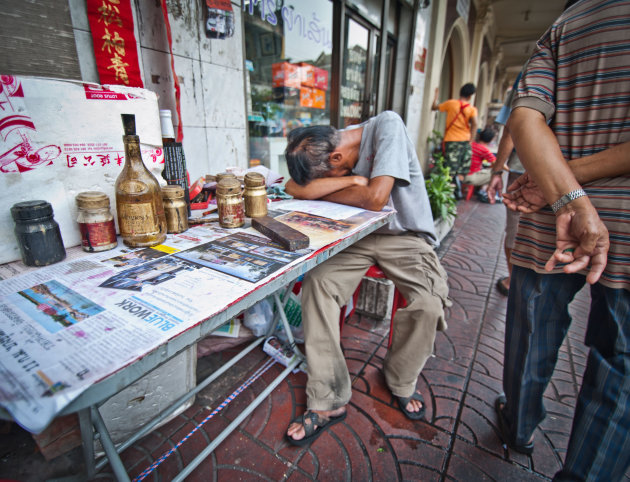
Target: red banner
<point x="111" y="22"/>
<point x="220" y="4"/>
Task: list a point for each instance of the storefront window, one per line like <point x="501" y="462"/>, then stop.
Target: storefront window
<point x="353" y="83"/>
<point x="288" y="47"/>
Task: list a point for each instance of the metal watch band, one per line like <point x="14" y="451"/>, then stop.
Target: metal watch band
<point x="567" y="198"/>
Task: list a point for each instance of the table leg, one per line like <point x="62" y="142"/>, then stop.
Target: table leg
<point x="236" y="422"/>
<point x="108" y="445"/>
<point x="87" y="437"/>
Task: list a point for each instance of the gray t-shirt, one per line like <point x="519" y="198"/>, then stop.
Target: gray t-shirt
<point x="387" y="151"/>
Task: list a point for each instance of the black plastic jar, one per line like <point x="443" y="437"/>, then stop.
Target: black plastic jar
<point x="37" y="233"/>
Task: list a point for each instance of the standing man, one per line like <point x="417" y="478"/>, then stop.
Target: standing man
<point x="461" y="129"/>
<point x="572" y="102"/>
<point x="370" y="166"/>
<point x="506" y="156"/>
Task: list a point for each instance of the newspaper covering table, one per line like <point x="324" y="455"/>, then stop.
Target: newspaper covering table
<point x="68" y="326"/>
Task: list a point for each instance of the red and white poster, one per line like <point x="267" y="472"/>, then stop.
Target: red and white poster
<point x="111" y="23"/>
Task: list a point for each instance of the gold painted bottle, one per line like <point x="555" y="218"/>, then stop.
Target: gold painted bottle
<point x="255" y="195"/>
<point x="175" y="209"/>
<point x="141" y="219"/>
<point x="230" y="203"/>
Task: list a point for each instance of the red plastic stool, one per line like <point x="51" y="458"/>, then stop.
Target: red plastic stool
<point x="398" y="301"/>
<point x="469" y="189"/>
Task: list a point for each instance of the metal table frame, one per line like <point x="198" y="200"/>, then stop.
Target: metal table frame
<point x="87" y="404"/>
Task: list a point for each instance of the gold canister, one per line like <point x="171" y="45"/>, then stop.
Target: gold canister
<point x="224" y="175"/>
<point x="255" y="195"/>
<point x="175" y="209"/>
<point x="230" y="203"/>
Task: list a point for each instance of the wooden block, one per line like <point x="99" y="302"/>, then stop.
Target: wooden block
<point x="289" y="238"/>
<point x="61" y="436"/>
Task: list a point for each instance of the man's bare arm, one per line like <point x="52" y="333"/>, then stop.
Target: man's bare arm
<point x="525" y="196"/>
<point x="435" y="105"/>
<point x="373" y="197"/>
<point x="540" y="153"/>
<point x="611" y="162"/>
<point x="506" y="145"/>
<point x="318" y="188"/>
<point x="473" y="128"/>
<point x="581" y="237"/>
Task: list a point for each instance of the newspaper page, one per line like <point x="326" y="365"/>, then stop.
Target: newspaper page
<point x="67" y="326"/>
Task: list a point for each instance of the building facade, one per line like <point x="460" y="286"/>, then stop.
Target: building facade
<point x="249" y="71"/>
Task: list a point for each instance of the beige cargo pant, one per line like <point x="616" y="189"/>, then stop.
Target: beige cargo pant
<point x="411" y="263"/>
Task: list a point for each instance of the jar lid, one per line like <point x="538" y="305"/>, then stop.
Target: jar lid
<point x="229" y="185"/>
<point x="31" y="210"/>
<point x="253" y="179"/>
<point x="224" y="175"/>
<point x="172" y="192"/>
<point x="92" y="200"/>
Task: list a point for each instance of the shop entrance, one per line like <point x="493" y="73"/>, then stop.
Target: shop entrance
<point x="317" y="63"/>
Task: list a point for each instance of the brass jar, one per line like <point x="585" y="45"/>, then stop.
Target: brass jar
<point x="230" y="203"/>
<point x="175" y="209"/>
<point x="255" y="195"/>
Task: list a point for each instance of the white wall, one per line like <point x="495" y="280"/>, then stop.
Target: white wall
<point x="417" y="81"/>
<point x="210" y="73"/>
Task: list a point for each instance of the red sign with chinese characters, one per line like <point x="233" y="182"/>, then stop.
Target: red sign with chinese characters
<point x="111" y="22"/>
<point x="220" y="4"/>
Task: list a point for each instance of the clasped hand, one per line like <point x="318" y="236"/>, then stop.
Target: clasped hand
<point x="581" y="237"/>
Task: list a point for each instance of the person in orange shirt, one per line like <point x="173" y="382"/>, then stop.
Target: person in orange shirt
<point x="461" y="127"/>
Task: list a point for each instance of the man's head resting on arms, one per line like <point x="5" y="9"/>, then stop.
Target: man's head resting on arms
<point x="308" y="152"/>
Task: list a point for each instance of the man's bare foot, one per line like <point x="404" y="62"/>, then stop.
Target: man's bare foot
<point x="413" y="407"/>
<point x="296" y="430"/>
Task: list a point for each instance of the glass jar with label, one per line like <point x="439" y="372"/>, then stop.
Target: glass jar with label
<point x="96" y="222"/>
<point x="255" y="195"/>
<point x="230" y="203"/>
<point x="175" y="209"/>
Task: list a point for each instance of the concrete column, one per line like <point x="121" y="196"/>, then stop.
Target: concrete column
<point x="435" y="56"/>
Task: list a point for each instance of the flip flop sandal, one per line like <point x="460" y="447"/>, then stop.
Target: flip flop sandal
<point x="403" y="402"/>
<point x="501" y="287"/>
<point x="504" y="431"/>
<point x="314" y="426"/>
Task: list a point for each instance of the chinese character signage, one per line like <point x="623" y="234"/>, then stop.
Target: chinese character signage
<point x="111" y="22"/>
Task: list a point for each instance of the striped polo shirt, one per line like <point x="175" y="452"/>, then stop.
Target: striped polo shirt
<point x="579" y="78"/>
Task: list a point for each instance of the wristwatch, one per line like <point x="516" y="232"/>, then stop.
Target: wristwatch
<point x="567" y="198"/>
<point x="497" y="173"/>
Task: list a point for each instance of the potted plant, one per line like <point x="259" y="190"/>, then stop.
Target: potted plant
<point x="439" y="183"/>
<point x="441" y="190"/>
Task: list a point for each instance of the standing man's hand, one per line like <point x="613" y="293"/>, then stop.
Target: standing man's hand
<point x="435" y="105"/>
<point x="495" y="186"/>
<point x="581" y="240"/>
<point x="524" y="195"/>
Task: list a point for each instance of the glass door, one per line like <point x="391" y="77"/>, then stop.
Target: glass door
<point x="359" y="75"/>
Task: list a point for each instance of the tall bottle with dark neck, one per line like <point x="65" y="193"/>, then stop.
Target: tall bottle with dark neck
<point x="141" y="219"/>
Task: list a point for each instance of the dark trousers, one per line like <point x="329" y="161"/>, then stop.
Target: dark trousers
<point x="536" y="323"/>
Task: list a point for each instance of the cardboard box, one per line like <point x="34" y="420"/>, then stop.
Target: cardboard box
<point x="307" y="75"/>
<point x="320" y="78"/>
<point x="306" y="97"/>
<point x="318" y="99"/>
<point x="285" y="74"/>
<point x="311" y="76"/>
<point x="59" y="138"/>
